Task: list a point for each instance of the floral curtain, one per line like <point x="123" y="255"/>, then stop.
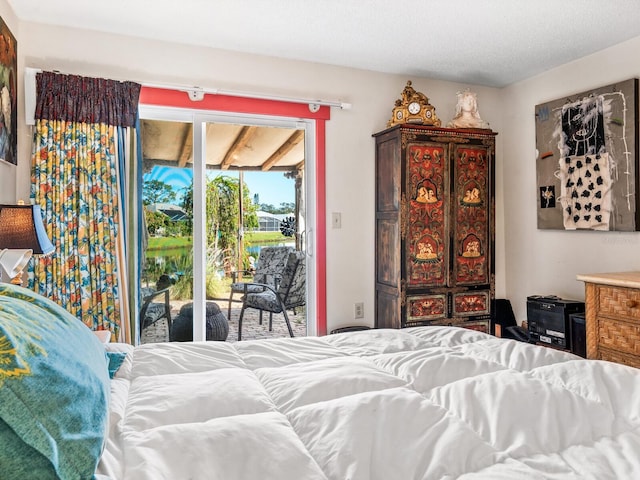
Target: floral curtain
<point x="77" y="179"/>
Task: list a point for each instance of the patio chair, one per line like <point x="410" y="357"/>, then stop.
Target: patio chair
<point x="289" y="294"/>
<point x="269" y="267"/>
<point x="153" y="311"/>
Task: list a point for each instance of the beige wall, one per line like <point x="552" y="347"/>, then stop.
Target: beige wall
<point x="350" y="148"/>
<point x="546" y="261"/>
<point x="529" y="261"/>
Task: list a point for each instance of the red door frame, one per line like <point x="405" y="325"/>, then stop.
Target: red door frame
<point x="226" y="103"/>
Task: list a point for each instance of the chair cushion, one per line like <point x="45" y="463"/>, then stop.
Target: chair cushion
<point x="155" y="311"/>
<point x="293" y="283"/>
<point x="271" y="263"/>
<point x="264" y="301"/>
<point x="291" y="289"/>
<point x="238" y="287"/>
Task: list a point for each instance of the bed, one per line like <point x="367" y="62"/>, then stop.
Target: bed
<point x="417" y="403"/>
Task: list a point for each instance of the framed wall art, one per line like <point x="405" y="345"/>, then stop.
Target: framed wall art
<point x="8" y="95"/>
<point x="587" y="160"/>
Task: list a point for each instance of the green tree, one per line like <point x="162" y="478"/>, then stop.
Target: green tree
<point x="157" y="191"/>
<point x="285" y="207"/>
<point x="156" y="221"/>
<point x="222" y="214"/>
<point x="160" y="224"/>
<point x="267" y="207"/>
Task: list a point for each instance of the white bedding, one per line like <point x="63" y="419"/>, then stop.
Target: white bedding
<point x="417" y="403"/>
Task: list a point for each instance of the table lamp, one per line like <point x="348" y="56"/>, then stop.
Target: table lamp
<point x="22" y="234"/>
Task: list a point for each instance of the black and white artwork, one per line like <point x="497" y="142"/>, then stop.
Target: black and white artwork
<point x="587" y="160"/>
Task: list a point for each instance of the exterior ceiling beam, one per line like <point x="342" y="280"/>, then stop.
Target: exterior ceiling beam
<point x="186" y="152"/>
<point x="241" y="140"/>
<point x="285" y="148"/>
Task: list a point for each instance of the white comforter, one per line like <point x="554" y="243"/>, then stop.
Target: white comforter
<point x="418" y="403"/>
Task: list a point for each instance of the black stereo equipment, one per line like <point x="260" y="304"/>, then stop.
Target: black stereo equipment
<point x="549" y="319"/>
<point x="578" y="335"/>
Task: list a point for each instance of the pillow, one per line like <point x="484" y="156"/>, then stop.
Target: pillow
<point x="54" y="390"/>
<point x="116" y="360"/>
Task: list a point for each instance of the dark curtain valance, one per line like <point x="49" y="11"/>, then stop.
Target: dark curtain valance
<point x="86" y="100"/>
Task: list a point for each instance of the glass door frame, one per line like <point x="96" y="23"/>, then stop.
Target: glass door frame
<point x="173" y="105"/>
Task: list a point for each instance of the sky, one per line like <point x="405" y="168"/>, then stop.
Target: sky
<point x="272" y="187"/>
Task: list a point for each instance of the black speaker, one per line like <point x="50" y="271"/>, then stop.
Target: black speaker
<point x="503" y="317"/>
<point x="578" y="334"/>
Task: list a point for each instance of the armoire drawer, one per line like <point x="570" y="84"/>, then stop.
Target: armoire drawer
<point x="426" y="307"/>
<point x="471" y="303"/>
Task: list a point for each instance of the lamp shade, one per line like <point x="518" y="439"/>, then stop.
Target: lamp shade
<point x="21" y="227"/>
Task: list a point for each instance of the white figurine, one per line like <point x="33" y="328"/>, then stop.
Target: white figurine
<point x="467" y="115"/>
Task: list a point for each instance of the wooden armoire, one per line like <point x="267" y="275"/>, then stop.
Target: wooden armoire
<point x="435" y="233"/>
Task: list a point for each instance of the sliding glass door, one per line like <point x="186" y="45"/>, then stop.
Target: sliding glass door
<point x="196" y="166"/>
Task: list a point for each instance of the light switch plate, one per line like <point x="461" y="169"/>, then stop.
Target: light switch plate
<point x="336" y="220"/>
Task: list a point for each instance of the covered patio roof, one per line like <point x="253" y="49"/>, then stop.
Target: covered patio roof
<point x="229" y="146"/>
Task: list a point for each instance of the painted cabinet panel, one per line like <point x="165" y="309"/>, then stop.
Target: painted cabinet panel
<point x="434" y="226"/>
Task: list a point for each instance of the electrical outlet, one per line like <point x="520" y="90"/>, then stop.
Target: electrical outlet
<point x="358" y="310"/>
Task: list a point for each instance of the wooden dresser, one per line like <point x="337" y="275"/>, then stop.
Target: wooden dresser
<point x="613" y="316"/>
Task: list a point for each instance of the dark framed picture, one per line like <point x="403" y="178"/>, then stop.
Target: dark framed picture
<point x="587" y="160"/>
<point x="8" y="95"/>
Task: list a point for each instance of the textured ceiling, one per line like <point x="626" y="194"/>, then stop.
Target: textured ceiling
<point x="490" y="42"/>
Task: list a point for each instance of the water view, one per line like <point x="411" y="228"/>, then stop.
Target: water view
<point x="177" y="263"/>
<point x="174" y="260"/>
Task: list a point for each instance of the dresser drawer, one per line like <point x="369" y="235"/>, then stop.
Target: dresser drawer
<point x="619" y="357"/>
<point x="621" y="336"/>
<point x="619" y="302"/>
<point x="613" y="316"/>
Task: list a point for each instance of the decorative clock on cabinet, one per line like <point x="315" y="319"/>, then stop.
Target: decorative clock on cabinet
<point x="413" y="107"/>
<point x="434" y="227"/>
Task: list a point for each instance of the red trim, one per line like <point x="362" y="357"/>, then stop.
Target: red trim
<point x="226" y="103"/>
<point x="321" y="227"/>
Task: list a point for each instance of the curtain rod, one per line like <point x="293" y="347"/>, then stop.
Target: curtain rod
<point x="195" y="93"/>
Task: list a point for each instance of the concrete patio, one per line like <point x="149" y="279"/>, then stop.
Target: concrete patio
<point x="251" y="328"/>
